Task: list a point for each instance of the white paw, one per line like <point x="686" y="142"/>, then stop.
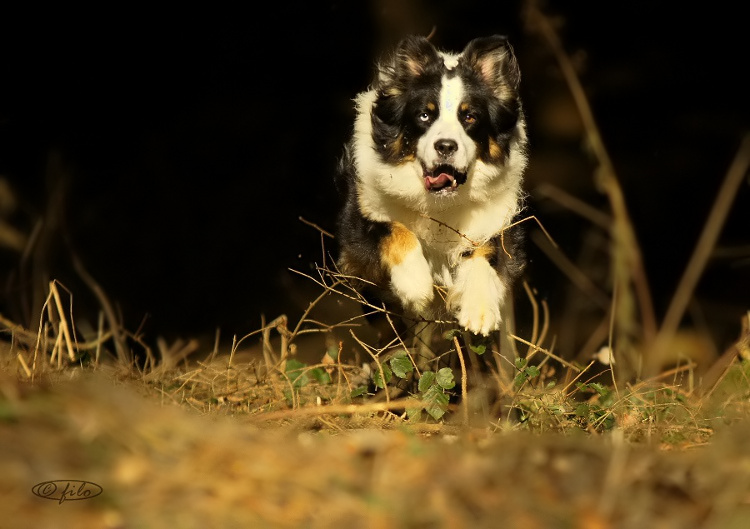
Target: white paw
<point x="411" y="281"/>
<point x="477" y="297"/>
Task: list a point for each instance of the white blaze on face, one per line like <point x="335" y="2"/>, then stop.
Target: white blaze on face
<point x="448" y="127"/>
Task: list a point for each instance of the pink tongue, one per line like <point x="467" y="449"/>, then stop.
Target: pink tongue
<point x="442" y="180"/>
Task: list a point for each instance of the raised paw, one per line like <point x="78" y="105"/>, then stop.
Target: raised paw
<point x="477" y="297"/>
<point x="411" y="281"/>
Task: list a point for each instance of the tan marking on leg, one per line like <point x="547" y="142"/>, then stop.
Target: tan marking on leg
<point x="397" y="245"/>
<point x="485" y="251"/>
<point x="350" y="266"/>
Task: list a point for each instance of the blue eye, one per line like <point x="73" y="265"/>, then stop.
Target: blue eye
<point x="424" y="117"/>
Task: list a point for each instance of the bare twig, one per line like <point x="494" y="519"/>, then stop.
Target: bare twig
<point x="118" y="336"/>
<point x="26" y="336"/>
<point x="313" y="225"/>
<point x="539" y="223"/>
<point x="64" y="328"/>
<point x="401" y="341"/>
<point x="543" y="351"/>
<point x="464" y="382"/>
<point x="535" y="311"/>
<point x="375" y="358"/>
<point x="575" y="204"/>
<point x="457" y="232"/>
<point x="711" y="231"/>
<point x="575" y="274"/>
<point x="627" y="259"/>
<point x="338" y="409"/>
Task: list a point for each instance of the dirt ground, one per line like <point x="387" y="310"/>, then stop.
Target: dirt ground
<point x="156" y="461"/>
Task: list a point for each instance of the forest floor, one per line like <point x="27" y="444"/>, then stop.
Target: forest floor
<point x="248" y="439"/>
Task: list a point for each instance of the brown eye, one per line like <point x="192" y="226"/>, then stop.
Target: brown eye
<point x="470" y="118"/>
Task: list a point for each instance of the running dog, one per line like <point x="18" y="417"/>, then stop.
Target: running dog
<point x="431" y="182"/>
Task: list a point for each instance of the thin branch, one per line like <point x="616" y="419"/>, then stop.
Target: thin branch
<point x="544" y="351"/>
<point x="338" y="409"/>
<point x="123" y="354"/>
<point x="711" y="231"/>
<point x="321" y="230"/>
<point x="606" y="173"/>
<point x="464" y="382"/>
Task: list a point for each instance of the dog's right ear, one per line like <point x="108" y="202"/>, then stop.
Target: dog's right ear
<point x="413" y="58"/>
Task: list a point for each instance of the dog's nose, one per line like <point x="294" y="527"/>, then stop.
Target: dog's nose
<point x="446" y="148"/>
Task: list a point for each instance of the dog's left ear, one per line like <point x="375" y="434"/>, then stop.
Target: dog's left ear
<point x="493" y="60"/>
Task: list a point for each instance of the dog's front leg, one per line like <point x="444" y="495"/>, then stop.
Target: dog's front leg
<point x="478" y="293"/>
<point x="411" y="277"/>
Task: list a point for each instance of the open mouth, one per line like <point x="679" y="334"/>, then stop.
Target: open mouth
<point x="443" y="178"/>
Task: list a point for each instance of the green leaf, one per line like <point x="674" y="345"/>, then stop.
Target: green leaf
<point x="481" y="344"/>
<point x="452" y="333"/>
<point x="295" y="371"/>
<point x="445" y="378"/>
<point x="320" y="375"/>
<point x="532" y="372"/>
<point x="358" y="392"/>
<point x="600" y="389"/>
<point x="376" y="378"/>
<point x="401" y="365"/>
<point x="436" y="402"/>
<point x="414" y="410"/>
<point x="520" y="363"/>
<point x="333" y="353"/>
<point x="427" y="379"/>
<point x="582" y="410"/>
<point x="479" y="349"/>
<point x="414" y="414"/>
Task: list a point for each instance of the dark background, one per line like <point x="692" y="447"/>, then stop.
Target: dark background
<point x="173" y="153"/>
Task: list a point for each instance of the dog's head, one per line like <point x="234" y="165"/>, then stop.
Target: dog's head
<point x="439" y="120"/>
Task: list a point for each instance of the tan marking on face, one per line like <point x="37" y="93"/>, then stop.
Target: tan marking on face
<point x="464" y="107"/>
<point x="395" y="247"/>
<point x="396" y="149"/>
<point x="395" y="146"/>
<point x="431" y="106"/>
<point x="496" y="152"/>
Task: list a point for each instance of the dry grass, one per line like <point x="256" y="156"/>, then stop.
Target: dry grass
<point x="221" y="443"/>
<point x="254" y="437"/>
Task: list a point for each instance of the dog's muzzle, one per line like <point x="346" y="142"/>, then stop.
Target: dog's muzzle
<point x="443" y="177"/>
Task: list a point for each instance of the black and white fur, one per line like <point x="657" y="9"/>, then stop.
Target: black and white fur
<point x="431" y="180"/>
